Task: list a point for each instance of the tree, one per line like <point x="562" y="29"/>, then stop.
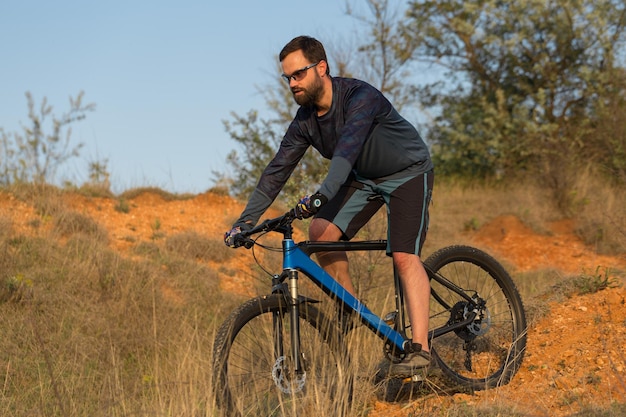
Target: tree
<point x="522" y="80"/>
<point x="34" y="155"/>
<point x="385" y="59"/>
<point x="605" y="140"/>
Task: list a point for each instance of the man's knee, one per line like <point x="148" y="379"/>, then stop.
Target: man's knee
<point x="323" y="230"/>
<point x="406" y="260"/>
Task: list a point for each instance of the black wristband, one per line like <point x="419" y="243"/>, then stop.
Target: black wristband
<point x="317" y="200"/>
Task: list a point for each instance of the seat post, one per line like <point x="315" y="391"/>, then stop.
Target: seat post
<point x="400" y="322"/>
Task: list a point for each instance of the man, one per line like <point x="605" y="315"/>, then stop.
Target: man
<point x="376" y="157"/>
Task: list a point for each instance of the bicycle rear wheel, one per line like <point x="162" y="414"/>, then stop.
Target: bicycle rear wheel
<point x="252" y="366"/>
<point x="489" y="351"/>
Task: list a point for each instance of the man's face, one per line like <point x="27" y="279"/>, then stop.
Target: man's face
<point x="307" y="87"/>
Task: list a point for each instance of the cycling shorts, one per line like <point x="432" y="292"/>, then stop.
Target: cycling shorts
<point x="407" y="200"/>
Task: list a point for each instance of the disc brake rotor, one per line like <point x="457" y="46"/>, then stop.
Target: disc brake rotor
<point x="285" y="379"/>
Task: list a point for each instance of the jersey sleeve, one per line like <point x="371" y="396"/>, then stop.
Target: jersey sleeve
<point x="275" y="175"/>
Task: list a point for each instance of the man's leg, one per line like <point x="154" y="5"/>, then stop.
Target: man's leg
<point x="408" y="218"/>
<point x="335" y="263"/>
<point x="417" y="294"/>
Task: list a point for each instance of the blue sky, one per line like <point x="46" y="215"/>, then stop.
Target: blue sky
<point x="163" y="76"/>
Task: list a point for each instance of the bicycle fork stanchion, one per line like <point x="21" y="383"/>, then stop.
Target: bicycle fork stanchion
<point x="294" y="308"/>
<point x="278" y="335"/>
<point x="277" y="322"/>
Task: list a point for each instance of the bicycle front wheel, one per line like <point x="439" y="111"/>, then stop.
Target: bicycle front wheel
<point x="487" y="352"/>
<point x="253" y="368"/>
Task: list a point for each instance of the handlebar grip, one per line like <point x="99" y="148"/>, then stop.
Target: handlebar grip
<point x="242" y="240"/>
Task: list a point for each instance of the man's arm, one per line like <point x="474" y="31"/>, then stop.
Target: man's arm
<point x="275" y="175"/>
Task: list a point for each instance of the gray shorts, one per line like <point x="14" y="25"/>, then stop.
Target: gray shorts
<point x="407" y="200"/>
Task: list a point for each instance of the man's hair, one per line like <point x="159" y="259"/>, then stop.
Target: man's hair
<point x="311" y="48"/>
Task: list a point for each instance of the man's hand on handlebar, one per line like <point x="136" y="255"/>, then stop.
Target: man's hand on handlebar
<point x="233" y="237"/>
<point x="309" y="205"/>
<point x="230" y="237"/>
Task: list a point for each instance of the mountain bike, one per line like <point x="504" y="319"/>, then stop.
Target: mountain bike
<point x="283" y="354"/>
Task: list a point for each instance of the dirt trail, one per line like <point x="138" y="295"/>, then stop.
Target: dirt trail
<point x="576" y="354"/>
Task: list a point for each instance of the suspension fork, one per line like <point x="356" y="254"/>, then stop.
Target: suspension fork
<point x="294" y="309"/>
<point x="293" y="306"/>
<point x="277" y="288"/>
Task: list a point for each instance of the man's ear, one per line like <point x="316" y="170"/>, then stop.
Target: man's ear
<point x="321" y="68"/>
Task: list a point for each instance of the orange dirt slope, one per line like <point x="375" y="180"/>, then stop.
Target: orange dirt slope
<point x="576" y="354"/>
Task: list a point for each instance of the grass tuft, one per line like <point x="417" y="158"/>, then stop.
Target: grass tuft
<point x="68" y="223"/>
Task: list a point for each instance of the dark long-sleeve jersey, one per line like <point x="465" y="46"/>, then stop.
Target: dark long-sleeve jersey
<point x="362" y="132"/>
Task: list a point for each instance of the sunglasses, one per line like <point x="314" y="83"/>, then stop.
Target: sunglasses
<point x="298" y="75"/>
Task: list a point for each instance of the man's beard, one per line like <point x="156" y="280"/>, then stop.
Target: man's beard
<point x="310" y="95"/>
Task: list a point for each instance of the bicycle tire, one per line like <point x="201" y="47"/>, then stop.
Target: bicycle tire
<point x="244" y="379"/>
<point x="496" y="343"/>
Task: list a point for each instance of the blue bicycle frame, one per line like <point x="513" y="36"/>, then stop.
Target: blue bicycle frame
<point x="296" y="259"/>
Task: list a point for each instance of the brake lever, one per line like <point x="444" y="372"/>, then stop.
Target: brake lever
<point x="244" y="241"/>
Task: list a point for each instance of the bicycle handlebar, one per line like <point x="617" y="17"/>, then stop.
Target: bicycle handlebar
<point x="280" y="224"/>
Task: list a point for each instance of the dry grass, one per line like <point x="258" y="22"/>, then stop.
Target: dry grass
<point x="165" y="195"/>
<point x="459" y="207"/>
<point x="596" y="207"/>
<point x="87" y="332"/>
<point x="600" y="213"/>
<point x="194" y="246"/>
